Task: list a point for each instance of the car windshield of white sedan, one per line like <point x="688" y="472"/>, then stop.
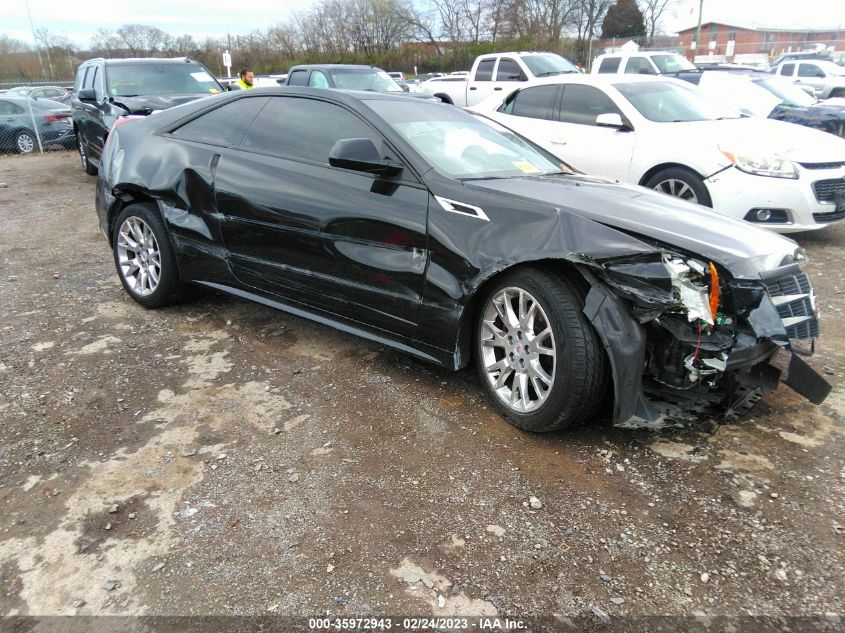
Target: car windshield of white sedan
<point x="672" y="63"/>
<point x="670" y="102"/>
<point x="132" y="80"/>
<point x="368" y="79"/>
<point x="462" y="146"/>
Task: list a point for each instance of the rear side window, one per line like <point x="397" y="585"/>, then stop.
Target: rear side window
<point x="639" y="66"/>
<point x="536" y="103"/>
<point x="787" y="69"/>
<point x="318" y="80"/>
<point x="484" y="72"/>
<point x="223" y="126"/>
<point x="298" y="78"/>
<point x="7" y="107"/>
<point x="508" y="71"/>
<point x="306" y="129"/>
<point x="582" y="104"/>
<point x="609" y="65"/>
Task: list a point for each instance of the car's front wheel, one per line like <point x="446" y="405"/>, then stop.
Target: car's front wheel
<point x="681" y="183"/>
<point x="25" y="142"/>
<point x="89" y="168"/>
<point x="539" y="359"/>
<point x="144" y="258"/>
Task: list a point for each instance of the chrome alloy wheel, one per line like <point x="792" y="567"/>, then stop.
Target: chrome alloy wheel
<point x="138" y="256"/>
<point x="25" y="143"/>
<point x="518" y="349"/>
<point x="677" y="188"/>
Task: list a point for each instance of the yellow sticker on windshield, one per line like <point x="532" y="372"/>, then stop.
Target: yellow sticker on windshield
<point x="213" y="91"/>
<point x="525" y="167"/>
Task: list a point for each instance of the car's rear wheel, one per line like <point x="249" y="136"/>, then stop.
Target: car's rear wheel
<point x="540" y="361"/>
<point x="90" y="169"/>
<point x="144" y="258"/>
<point x="25" y="142"/>
<point x="681" y="183"/>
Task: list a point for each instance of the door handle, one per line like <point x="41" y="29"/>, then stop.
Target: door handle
<point x="472" y="87"/>
<point x="497" y="88"/>
<point x="558" y="141"/>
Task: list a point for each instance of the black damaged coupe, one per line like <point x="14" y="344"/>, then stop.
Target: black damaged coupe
<point x="446" y="236"/>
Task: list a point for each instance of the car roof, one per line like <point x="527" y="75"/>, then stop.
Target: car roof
<point x="641" y="53"/>
<point x="331" y="66"/>
<point x="600" y="80"/>
<point x="142" y="60"/>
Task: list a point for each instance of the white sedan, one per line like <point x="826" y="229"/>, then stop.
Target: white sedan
<point x="663" y="134"/>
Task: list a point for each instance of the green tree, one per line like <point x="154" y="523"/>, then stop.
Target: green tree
<point x="623" y="19"/>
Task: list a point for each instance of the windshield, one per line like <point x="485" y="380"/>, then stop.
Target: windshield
<point x="131" y="80"/>
<point x="672" y="63"/>
<point x="460" y="145"/>
<point x="365" y="79"/>
<point x="788" y="93"/>
<point x="669" y="101"/>
<point x="548" y="64"/>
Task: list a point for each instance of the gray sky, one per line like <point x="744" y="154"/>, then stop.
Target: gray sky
<point x="81" y="18"/>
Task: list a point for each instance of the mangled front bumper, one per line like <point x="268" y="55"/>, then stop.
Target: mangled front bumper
<point x="674" y="361"/>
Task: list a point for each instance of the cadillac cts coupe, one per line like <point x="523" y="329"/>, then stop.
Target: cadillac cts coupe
<point x="444" y="235"/>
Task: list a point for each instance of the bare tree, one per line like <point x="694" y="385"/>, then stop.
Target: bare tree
<point x="653" y="11"/>
<point x="588" y="15"/>
<point x="142" y="40"/>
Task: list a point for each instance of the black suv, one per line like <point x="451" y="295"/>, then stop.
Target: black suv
<point x="109" y="89"/>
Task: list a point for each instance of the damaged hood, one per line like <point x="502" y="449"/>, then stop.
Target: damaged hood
<point x="145" y="104"/>
<point x="740" y="247"/>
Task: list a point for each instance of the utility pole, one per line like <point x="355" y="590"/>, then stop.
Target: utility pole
<point x="698" y="30"/>
<point x="34" y="39"/>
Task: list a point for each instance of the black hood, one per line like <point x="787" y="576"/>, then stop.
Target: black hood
<point x="144" y="104"/>
<point x="742" y="248"/>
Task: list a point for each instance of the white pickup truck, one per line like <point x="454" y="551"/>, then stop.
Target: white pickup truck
<point x="496" y="73"/>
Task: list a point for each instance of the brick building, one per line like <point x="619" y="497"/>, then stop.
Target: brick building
<point x="732" y="39"/>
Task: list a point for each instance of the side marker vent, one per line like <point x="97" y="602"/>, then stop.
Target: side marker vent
<point x="461" y="208"/>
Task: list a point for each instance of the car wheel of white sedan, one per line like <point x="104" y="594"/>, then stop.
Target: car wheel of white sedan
<point x="680" y="183"/>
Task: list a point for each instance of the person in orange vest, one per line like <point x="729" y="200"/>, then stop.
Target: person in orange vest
<point x="245" y="79"/>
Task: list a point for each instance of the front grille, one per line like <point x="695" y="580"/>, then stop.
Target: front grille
<point x="822" y="165"/>
<point x="793" y="298"/>
<point x="826" y="190"/>
<point x="829" y="217"/>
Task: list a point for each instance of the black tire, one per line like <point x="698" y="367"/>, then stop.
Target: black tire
<point x="690" y="178"/>
<point x="445" y="98"/>
<point x="581" y="366"/>
<point x="839" y="92"/>
<point x="89" y="168"/>
<point x="169" y="288"/>
<point x="25" y="142"/>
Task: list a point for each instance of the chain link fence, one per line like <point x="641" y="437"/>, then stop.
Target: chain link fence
<point x="35" y="116"/>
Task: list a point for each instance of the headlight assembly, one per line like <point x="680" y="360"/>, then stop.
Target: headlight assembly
<point x="762" y="165"/>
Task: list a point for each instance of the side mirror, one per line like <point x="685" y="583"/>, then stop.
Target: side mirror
<point x="87" y="95"/>
<point x="821" y="74"/>
<point x="361" y="154"/>
<point x="611" y="119"/>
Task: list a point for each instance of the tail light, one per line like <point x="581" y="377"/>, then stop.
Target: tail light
<point x="56" y="117"/>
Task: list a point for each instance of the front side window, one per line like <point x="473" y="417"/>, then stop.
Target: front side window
<point x="809" y="70"/>
<point x="305" y="129"/>
<point x="318" y="80"/>
<point x="787" y="69"/>
<point x="582" y="104"/>
<point x="609" y="65"/>
<point x="132" y="80"/>
<point x="536" y="103"/>
<point x="509" y="71"/>
<point x="222" y="126"/>
<point x="485" y="70"/>
<point x="672" y="102"/>
<point x="7" y="107"/>
<point x="639" y="66"/>
<point x="462" y="146"/>
<point x="298" y="78"/>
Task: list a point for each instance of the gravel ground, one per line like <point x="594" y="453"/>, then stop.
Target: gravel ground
<point x="218" y="457"/>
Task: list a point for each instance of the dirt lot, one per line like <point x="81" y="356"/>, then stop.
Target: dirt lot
<point x="222" y="458"/>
